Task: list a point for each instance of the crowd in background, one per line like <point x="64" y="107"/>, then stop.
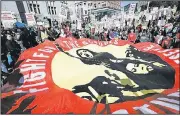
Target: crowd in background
<point x="14" y="41"/>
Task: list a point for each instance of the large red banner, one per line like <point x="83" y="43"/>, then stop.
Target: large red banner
<point x="85" y="76"/>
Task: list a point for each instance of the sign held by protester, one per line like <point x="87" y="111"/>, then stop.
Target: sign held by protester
<point x="30" y="19"/>
<point x="7" y="19"/>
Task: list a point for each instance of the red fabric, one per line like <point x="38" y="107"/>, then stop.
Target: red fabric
<point x="57" y="100"/>
<point x="132" y="37"/>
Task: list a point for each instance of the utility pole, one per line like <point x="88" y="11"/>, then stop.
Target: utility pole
<point x="22" y="11"/>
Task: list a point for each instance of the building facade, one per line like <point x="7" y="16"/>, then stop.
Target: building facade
<point x="98" y="8"/>
<point x="105" y="8"/>
<point x="53" y="10"/>
<point x="11" y="6"/>
<point x="142" y="3"/>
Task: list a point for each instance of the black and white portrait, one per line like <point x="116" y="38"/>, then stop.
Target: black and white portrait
<point x="106" y="78"/>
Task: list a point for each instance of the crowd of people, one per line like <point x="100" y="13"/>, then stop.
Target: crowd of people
<point x="14" y="41"/>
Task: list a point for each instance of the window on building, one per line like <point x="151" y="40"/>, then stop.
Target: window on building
<point x="89" y="11"/>
<point x="55" y="10"/>
<point x="103" y="5"/>
<point x="94" y="5"/>
<point x="52" y="9"/>
<point x="38" y="9"/>
<point x="84" y="3"/>
<point x="35" y="10"/>
<point x="49" y="10"/>
<point x="31" y="8"/>
<point x="85" y="12"/>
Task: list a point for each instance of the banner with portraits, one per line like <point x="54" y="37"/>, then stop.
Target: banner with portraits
<point x="85" y="76"/>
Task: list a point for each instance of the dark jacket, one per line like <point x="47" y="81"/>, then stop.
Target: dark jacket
<point x="13" y="46"/>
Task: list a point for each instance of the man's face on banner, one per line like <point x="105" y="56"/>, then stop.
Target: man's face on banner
<point x="109" y="74"/>
<point x="85" y="54"/>
<point x="139" y="68"/>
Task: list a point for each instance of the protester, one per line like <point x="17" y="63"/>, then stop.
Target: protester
<point x="4" y="52"/>
<point x="154" y="33"/>
<point x="111" y="34"/>
<point x="32" y="37"/>
<point x="16" y="40"/>
<point x="177" y="39"/>
<point x="42" y="34"/>
<point x="51" y="35"/>
<point x="13" y="48"/>
<point x="55" y="24"/>
<point x="24" y="37"/>
<point x="93" y="34"/>
<point x="67" y="31"/>
<point x="105" y="35"/>
<point x="62" y="33"/>
<point x="132" y="36"/>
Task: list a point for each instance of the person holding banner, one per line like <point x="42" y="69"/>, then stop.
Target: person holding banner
<point x="132" y="36"/>
<point x="13" y="48"/>
<point x="32" y="37"/>
<point x="67" y="31"/>
<point x="4" y="52"/>
<point x="42" y="34"/>
<point x="24" y="37"/>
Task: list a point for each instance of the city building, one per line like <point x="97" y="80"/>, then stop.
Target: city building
<point x="81" y="9"/>
<point x="107" y="14"/>
<point x="52" y="10"/>
<point x="130" y="8"/>
<point x="142" y="5"/>
<point x="105" y="8"/>
<point x="98" y="8"/>
<point x="11" y="6"/>
<point x="72" y="11"/>
<point x="63" y="11"/>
